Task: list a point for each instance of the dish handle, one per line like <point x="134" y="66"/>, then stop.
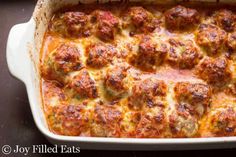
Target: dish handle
<point x="17" y="50"/>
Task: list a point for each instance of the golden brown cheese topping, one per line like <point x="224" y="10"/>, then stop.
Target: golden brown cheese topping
<point x="142" y="71"/>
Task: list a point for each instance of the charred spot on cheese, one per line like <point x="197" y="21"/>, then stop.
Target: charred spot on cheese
<point x="65" y="59"/>
<point x="183" y="54"/>
<point x="99" y="55"/>
<point x="180" y="18"/>
<point x="226" y="19"/>
<point x="83" y="85"/>
<point x="211" y="38"/>
<point x="151" y="53"/>
<point x="106" y="121"/>
<point x="196" y="96"/>
<point x="149" y="92"/>
<point x="106" y="24"/>
<point x="69" y="120"/>
<point x="214" y="71"/>
<point x="140" y="20"/>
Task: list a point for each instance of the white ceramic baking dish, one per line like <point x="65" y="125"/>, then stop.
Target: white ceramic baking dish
<point x="23" y="48"/>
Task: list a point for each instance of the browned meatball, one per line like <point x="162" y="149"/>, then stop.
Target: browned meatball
<point x="149" y="92"/>
<point x="179" y="18"/>
<point x="99" y="55"/>
<point x="83" y="85"/>
<point x="231" y="42"/>
<point x="182" y="123"/>
<point x="138" y="15"/>
<point x="153" y="123"/>
<point x="65" y="59"/>
<point x="69" y="120"/>
<point x="214" y="71"/>
<point x="150" y="54"/>
<point x="141" y="20"/>
<point x="130" y="120"/>
<point x="53" y="94"/>
<point x="220" y="122"/>
<point x="211" y="38"/>
<point x="195" y="96"/>
<point x="76" y="22"/>
<point x="71" y="24"/>
<point x="106" y="121"/>
<point x="116" y="81"/>
<point x="183" y="54"/>
<point x="225" y="19"/>
<point x="106" y="24"/>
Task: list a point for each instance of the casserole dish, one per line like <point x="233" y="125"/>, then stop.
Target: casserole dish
<point x="23" y="60"/>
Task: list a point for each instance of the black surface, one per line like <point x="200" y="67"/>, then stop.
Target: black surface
<point x="16" y="122"/>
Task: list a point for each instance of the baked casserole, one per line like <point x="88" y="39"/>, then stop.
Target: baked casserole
<point x="139" y="70"/>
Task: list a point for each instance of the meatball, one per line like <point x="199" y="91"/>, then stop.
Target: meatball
<point x="141" y="20"/>
<point x="106" y="24"/>
<point x="231" y="42"/>
<point x="106" y="121"/>
<point x="65" y="59"/>
<point x="153" y="52"/>
<point x="116" y="81"/>
<point x="183" y="54"/>
<point x="196" y="96"/>
<point x="179" y="18"/>
<point x="214" y="71"/>
<point x="211" y="38"/>
<point x="53" y="94"/>
<point x="129" y="122"/>
<point x="220" y="122"/>
<point x="225" y="19"/>
<point x="182" y="123"/>
<point x="71" y="120"/>
<point x="76" y="23"/>
<point x="71" y="24"/>
<point x="83" y="85"/>
<point x="152" y="124"/>
<point x="99" y="55"/>
<point x="149" y="92"/>
<point x="138" y="15"/>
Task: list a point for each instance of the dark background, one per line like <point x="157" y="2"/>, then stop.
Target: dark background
<point x="16" y="121"/>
